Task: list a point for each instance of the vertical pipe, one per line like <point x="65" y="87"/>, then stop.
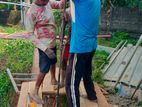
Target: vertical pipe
<point x="22" y="19"/>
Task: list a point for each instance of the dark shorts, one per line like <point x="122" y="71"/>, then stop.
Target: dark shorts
<point x="45" y="61"/>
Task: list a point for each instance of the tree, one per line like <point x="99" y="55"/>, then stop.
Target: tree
<point x="123" y="3"/>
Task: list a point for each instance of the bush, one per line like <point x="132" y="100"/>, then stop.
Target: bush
<point x="99" y="58"/>
<point x="5" y="89"/>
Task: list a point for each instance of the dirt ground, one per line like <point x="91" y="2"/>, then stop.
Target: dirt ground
<point x="125" y="101"/>
<point x="122" y="101"/>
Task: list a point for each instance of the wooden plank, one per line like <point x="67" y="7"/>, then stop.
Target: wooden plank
<point x="132" y="67"/>
<point x="25" y="79"/>
<point x="13" y="81"/>
<point x="84" y="102"/>
<point x="123" y="64"/>
<point x="98" y="36"/>
<point x="138" y="74"/>
<point x="135" y="48"/>
<point x="102" y="102"/>
<point x="115" y="65"/>
<point x="27" y="87"/>
<point x="48" y="88"/>
<point x="23" y="74"/>
<point x="31" y="88"/>
<point x="22" y="102"/>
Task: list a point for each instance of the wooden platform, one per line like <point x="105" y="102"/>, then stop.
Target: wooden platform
<point x="23" y="99"/>
<point x="26" y="88"/>
<point x="47" y="88"/>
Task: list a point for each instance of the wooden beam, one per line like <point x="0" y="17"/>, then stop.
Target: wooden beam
<point x="24" y="79"/>
<point x="12" y="81"/>
<point x="102" y="102"/>
<point x="22" y="102"/>
<point x="24" y="74"/>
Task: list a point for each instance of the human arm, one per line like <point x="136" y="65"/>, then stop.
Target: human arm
<point x="57" y="4"/>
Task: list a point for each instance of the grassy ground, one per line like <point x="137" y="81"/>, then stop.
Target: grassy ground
<point x="116" y="37"/>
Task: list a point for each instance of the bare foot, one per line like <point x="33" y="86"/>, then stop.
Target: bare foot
<point x="54" y="82"/>
<point x="36" y="98"/>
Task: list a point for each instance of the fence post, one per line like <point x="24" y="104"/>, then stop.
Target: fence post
<point x="22" y="18"/>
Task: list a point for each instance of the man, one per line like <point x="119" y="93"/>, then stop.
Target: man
<point x="85" y="19"/>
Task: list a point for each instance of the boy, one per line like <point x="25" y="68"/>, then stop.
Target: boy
<point x="41" y="26"/>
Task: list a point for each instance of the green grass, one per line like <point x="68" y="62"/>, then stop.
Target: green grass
<point x="99" y="58"/>
<point x="9" y="29"/>
<point x="140" y="104"/>
<point x="116" y="37"/>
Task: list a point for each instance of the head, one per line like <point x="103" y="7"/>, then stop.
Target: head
<point x="41" y="2"/>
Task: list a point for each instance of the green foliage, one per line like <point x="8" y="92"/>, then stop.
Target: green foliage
<point x="121" y="35"/>
<point x="16" y="55"/>
<point x="97" y="76"/>
<point x="57" y="16"/>
<point x="3" y="6"/>
<point x="140" y="104"/>
<point x="124" y="3"/>
<point x="58" y="20"/>
<point x="8" y="29"/>
<point x="99" y="58"/>
<point x="116" y="38"/>
<point x="5" y="89"/>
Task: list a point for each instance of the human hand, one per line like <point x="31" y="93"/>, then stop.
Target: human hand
<point x="50" y="53"/>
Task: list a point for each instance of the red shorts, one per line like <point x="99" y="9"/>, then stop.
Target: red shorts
<point x="66" y="51"/>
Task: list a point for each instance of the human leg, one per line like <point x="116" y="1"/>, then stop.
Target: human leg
<point x="88" y="83"/>
<point x="44" y="65"/>
<point x="53" y="74"/>
<point x="74" y="74"/>
<point x="53" y="68"/>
